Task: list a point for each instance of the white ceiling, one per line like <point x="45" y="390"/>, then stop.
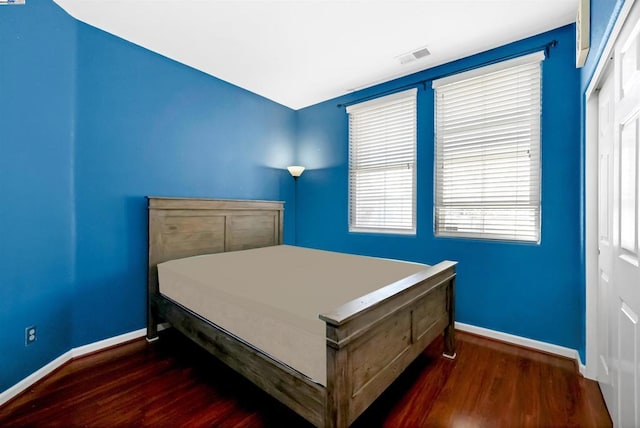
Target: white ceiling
<point x="301" y="52"/>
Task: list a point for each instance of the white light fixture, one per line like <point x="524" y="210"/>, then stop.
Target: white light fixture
<point x="9" y="2"/>
<point x="295" y="171"/>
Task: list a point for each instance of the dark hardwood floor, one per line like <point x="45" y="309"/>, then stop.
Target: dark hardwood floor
<point x="173" y="383"/>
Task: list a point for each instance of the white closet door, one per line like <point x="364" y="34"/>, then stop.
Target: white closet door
<point x="625" y="278"/>
<point x="605" y="245"/>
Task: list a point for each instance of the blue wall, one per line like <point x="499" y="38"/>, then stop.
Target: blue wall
<point x="602" y="19"/>
<point x="37" y="66"/>
<point x="92" y="124"/>
<point x="527" y="290"/>
<point x="151" y="126"/>
<point x="99" y="123"/>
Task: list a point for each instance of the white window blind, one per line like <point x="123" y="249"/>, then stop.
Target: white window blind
<point x="487" y="166"/>
<point x="382" y="158"/>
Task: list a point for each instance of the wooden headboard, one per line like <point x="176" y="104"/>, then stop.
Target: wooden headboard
<point x="183" y="227"/>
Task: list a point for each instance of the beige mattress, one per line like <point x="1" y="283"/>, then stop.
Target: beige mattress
<point x="271" y="297"/>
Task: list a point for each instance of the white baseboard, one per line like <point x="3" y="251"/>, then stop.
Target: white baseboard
<point x="582" y="368"/>
<point x="106" y="343"/>
<point x="524" y="342"/>
<point x="25" y="383"/>
<point x="34" y="377"/>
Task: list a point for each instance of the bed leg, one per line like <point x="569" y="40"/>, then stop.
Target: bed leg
<point x="449" y="331"/>
<point x="152" y="334"/>
<point x="337" y="392"/>
<point x="449" y="343"/>
<point x="152" y="312"/>
<point x="152" y="324"/>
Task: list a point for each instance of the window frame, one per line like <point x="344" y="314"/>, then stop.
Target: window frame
<point x="484" y="212"/>
<point x="410" y="96"/>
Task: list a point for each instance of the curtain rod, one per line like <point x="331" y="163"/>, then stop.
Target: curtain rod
<point x="547" y="47"/>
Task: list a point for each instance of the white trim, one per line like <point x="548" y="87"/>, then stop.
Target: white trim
<point x="25" y="383"/>
<point x="34" y="377"/>
<point x="583" y="370"/>
<point x="521" y="341"/>
<point x="608" y="49"/>
<point x="107" y="343"/>
<point x="583" y="30"/>
<point x="591" y="188"/>
<point x="591" y="236"/>
<point x="502" y="65"/>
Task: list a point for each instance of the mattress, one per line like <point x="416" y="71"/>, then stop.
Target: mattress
<point x="271" y="297"/>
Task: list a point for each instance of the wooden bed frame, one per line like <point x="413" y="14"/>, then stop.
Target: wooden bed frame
<point x="370" y="340"/>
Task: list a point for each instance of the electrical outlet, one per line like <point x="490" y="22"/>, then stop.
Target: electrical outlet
<point x="30" y="335"/>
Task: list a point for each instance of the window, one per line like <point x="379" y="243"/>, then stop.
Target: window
<point x="382" y="160"/>
<point x="487" y="157"/>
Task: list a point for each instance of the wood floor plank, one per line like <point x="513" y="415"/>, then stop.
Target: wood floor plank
<point x="174" y="383"/>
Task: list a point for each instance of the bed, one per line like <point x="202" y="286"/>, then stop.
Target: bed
<point x="368" y="341"/>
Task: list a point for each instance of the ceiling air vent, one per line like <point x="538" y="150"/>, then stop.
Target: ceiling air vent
<point x="412" y="56"/>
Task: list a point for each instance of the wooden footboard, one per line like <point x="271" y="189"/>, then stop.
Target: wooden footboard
<point x="370" y="340"/>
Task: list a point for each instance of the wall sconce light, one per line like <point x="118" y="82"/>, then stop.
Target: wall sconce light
<point x="295" y="171"/>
